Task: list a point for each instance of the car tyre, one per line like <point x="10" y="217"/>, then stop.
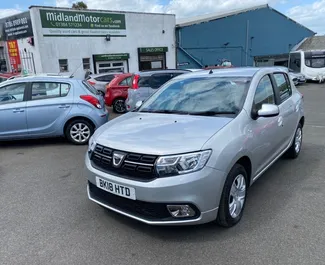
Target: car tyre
<point x="79" y="131"/>
<point x="294" y="150"/>
<point x="233" y="198"/>
<point x="119" y="106"/>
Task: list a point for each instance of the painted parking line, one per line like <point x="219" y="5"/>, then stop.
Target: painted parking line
<point x="315" y="126"/>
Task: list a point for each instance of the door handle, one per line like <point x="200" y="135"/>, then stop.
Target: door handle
<point x="64" y="106"/>
<point x="18" y="110"/>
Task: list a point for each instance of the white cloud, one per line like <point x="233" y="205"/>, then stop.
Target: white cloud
<point x="63" y="3"/>
<point x="310" y="15"/>
<point x="182" y="8"/>
<point x="8" y="12"/>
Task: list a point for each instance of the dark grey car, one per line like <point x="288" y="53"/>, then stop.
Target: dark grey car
<point x="145" y="83"/>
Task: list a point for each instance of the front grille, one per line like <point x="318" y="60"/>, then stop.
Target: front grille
<point x="134" y="166"/>
<point x="146" y="210"/>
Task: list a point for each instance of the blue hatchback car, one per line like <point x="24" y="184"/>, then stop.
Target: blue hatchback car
<point x="50" y="106"/>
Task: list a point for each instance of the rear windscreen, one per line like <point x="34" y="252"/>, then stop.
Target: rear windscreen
<point x="89" y="87"/>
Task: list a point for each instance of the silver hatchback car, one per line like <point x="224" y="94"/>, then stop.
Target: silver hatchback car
<point x="189" y="153"/>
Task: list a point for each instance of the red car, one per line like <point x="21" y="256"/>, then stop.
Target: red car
<point x="6" y="76"/>
<point x="117" y="92"/>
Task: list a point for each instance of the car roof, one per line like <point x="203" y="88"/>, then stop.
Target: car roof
<point x="7" y="75"/>
<point x="39" y="79"/>
<point x="108" y="73"/>
<point x="122" y="75"/>
<point x="248" y="72"/>
<point x="151" y="72"/>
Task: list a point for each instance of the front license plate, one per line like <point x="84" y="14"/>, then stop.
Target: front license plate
<point x="117" y="189"/>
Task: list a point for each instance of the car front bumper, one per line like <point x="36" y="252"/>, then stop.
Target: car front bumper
<point x="301" y="80"/>
<point x="201" y="190"/>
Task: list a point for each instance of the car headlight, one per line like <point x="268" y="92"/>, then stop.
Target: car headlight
<point x="91" y="145"/>
<point x="182" y="164"/>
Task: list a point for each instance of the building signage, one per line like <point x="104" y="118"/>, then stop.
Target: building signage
<point x="183" y="64"/>
<point x="111" y="57"/>
<point x="57" y="23"/>
<point x="16" y="27"/>
<point x="14" y="56"/>
<point x="153" y="49"/>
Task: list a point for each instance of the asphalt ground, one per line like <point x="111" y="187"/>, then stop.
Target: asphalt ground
<point x="46" y="217"/>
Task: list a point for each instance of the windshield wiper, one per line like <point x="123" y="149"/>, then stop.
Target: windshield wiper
<point x="213" y="113"/>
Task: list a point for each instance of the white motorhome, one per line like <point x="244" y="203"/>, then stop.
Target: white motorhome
<point x="310" y="63"/>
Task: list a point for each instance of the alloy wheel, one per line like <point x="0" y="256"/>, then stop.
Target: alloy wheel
<point x="298" y="139"/>
<point x="80" y="132"/>
<point x="237" y="196"/>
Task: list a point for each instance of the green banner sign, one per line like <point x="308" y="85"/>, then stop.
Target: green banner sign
<point x="111" y="57"/>
<point x="153" y="49"/>
<point x="82" y="23"/>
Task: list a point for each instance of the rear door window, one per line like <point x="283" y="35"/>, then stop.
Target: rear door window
<point x="105" y="78"/>
<point x="157" y="80"/>
<point x="43" y="90"/>
<point x="126" y="82"/>
<point x="283" y="86"/>
<point x="144" y="81"/>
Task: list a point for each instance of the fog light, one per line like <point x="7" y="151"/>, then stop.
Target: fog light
<point x="180" y="211"/>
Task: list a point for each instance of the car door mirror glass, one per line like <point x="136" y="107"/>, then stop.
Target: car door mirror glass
<point x="138" y="104"/>
<point x="268" y="110"/>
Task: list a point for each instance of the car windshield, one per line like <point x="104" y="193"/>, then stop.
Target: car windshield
<point x="199" y="96"/>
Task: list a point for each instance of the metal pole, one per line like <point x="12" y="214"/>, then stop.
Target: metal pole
<point x="247" y="33"/>
<point x="33" y="63"/>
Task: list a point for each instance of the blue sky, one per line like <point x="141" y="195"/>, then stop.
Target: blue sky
<point x="310" y="13"/>
<point x="24" y="4"/>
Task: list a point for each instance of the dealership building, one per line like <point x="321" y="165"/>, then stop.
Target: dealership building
<point x="53" y="40"/>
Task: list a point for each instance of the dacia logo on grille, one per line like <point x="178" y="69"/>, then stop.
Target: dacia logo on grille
<point x="118" y="159"/>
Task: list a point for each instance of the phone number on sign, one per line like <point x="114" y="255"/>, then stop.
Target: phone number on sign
<point x="67" y="24"/>
<point x="16" y="22"/>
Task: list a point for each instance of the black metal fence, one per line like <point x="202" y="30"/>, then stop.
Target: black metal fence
<point x="27" y="63"/>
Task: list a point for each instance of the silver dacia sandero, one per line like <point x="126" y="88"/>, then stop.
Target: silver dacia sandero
<point x="189" y="153"/>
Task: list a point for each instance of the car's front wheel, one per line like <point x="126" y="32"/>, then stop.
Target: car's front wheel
<point x="294" y="150"/>
<point x="79" y="131"/>
<point x="233" y="197"/>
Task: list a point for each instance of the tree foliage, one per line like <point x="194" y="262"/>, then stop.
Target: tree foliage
<point x="79" y="5"/>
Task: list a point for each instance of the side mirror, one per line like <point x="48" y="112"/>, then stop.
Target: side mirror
<point x="268" y="110"/>
<point x="138" y="104"/>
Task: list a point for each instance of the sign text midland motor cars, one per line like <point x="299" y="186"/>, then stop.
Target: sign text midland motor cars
<point x="82" y="24"/>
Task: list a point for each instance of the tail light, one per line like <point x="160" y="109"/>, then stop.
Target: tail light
<point x="92" y="100"/>
<point x="92" y="83"/>
<point x="135" y="82"/>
